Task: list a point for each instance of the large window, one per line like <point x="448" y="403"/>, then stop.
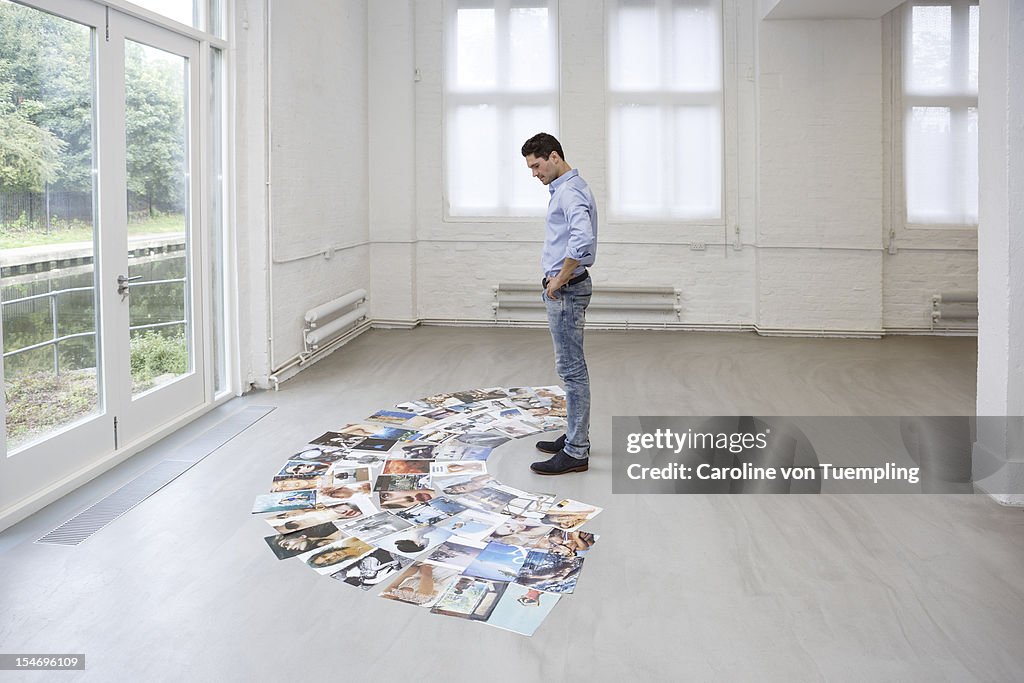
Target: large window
<point x="665" y="109"/>
<point x="501" y="87"/>
<point x="940" y="113"/>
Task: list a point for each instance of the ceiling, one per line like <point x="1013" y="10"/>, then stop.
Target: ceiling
<point x="826" y="9"/>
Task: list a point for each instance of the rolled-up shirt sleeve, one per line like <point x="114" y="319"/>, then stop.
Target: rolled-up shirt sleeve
<point x="576" y="206"/>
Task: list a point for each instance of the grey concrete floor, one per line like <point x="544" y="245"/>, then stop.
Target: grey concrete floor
<point x="680" y="587"/>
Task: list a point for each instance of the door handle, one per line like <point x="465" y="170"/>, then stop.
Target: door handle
<point x="122" y="284"/>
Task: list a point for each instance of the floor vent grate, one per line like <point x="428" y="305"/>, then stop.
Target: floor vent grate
<point x="100" y="514"/>
<point x="222" y="432"/>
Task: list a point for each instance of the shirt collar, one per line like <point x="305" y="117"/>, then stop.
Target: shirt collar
<point x="557" y="182"/>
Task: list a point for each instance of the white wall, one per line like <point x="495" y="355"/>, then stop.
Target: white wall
<point x="303" y="202"/>
<point x="820" y="176"/>
<point x="318" y="168"/>
<point x="469" y="257"/>
<point x="356" y="163"/>
<point x="392" y="160"/>
<point x="805" y="171"/>
<point x="999" y="451"/>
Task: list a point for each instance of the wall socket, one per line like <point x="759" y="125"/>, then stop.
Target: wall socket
<point x="698" y="246"/>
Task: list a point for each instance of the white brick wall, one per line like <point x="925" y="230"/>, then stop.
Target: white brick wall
<point x="912" y="277"/>
<point x="805" y="172"/>
<point x="825" y="290"/>
<point x="319" y="159"/>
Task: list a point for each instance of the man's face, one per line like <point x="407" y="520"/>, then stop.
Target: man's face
<point x="544" y="169"/>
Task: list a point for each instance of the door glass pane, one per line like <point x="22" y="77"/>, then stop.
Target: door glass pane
<point x="216" y="233"/>
<point x="47" y="224"/>
<point x="156" y="112"/>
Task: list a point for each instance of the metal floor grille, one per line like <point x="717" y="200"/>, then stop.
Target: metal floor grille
<point x="222" y="432"/>
<point x="100" y="514"/>
<point x="92" y="519"/>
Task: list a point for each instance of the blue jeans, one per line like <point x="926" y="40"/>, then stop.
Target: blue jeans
<point x="566" y="316"/>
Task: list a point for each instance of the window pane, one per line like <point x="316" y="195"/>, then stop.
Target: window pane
<point x="532" y="63"/>
<point x="47" y="224"/>
<point x="636" y="156"/>
<point x="216" y="223"/>
<point x="156" y="106"/>
<point x="528" y="195"/>
<point x="930" y="50"/>
<point x="216" y="10"/>
<point x="475" y="50"/>
<point x="634" y="62"/>
<point x="698" y="153"/>
<point x="696" y="47"/>
<point x="473" y="159"/>
<point x="929" y="165"/>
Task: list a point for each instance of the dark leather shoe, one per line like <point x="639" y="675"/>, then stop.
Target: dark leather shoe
<point x="561" y="463"/>
<point x="551" y="446"/>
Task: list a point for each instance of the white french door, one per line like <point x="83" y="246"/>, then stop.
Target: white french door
<point x="152" y="278"/>
<point x="141" y="337"/>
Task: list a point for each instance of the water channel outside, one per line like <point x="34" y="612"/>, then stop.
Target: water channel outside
<point x="49" y="330"/>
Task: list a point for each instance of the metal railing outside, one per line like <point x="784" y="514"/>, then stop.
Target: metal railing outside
<point x="57" y="338"/>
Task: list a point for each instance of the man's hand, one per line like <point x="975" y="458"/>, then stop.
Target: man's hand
<point x="561" y="277"/>
<point x="554" y="284"/>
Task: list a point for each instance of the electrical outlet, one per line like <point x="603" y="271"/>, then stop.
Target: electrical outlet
<point x="698" y="246"/>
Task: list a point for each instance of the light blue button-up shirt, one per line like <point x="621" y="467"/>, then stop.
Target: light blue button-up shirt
<point x="571" y="230"/>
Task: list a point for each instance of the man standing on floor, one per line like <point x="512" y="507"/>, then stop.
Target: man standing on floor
<point x="570" y="245"/>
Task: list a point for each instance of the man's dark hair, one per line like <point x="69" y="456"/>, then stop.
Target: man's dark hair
<point x="542" y="145"/>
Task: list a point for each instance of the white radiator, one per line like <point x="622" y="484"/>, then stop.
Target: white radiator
<point x="512" y="299"/>
<point x="328" y="321"/>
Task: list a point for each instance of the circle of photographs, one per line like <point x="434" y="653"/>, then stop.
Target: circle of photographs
<point x="402" y="503"/>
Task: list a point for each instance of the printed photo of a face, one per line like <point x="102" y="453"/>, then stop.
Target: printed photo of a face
<point x="324" y="559"/>
<point x="371" y="570"/>
<point x="407" y="467"/>
<point x="400" y="500"/>
<point x="298" y="542"/>
<point x="296" y="520"/>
